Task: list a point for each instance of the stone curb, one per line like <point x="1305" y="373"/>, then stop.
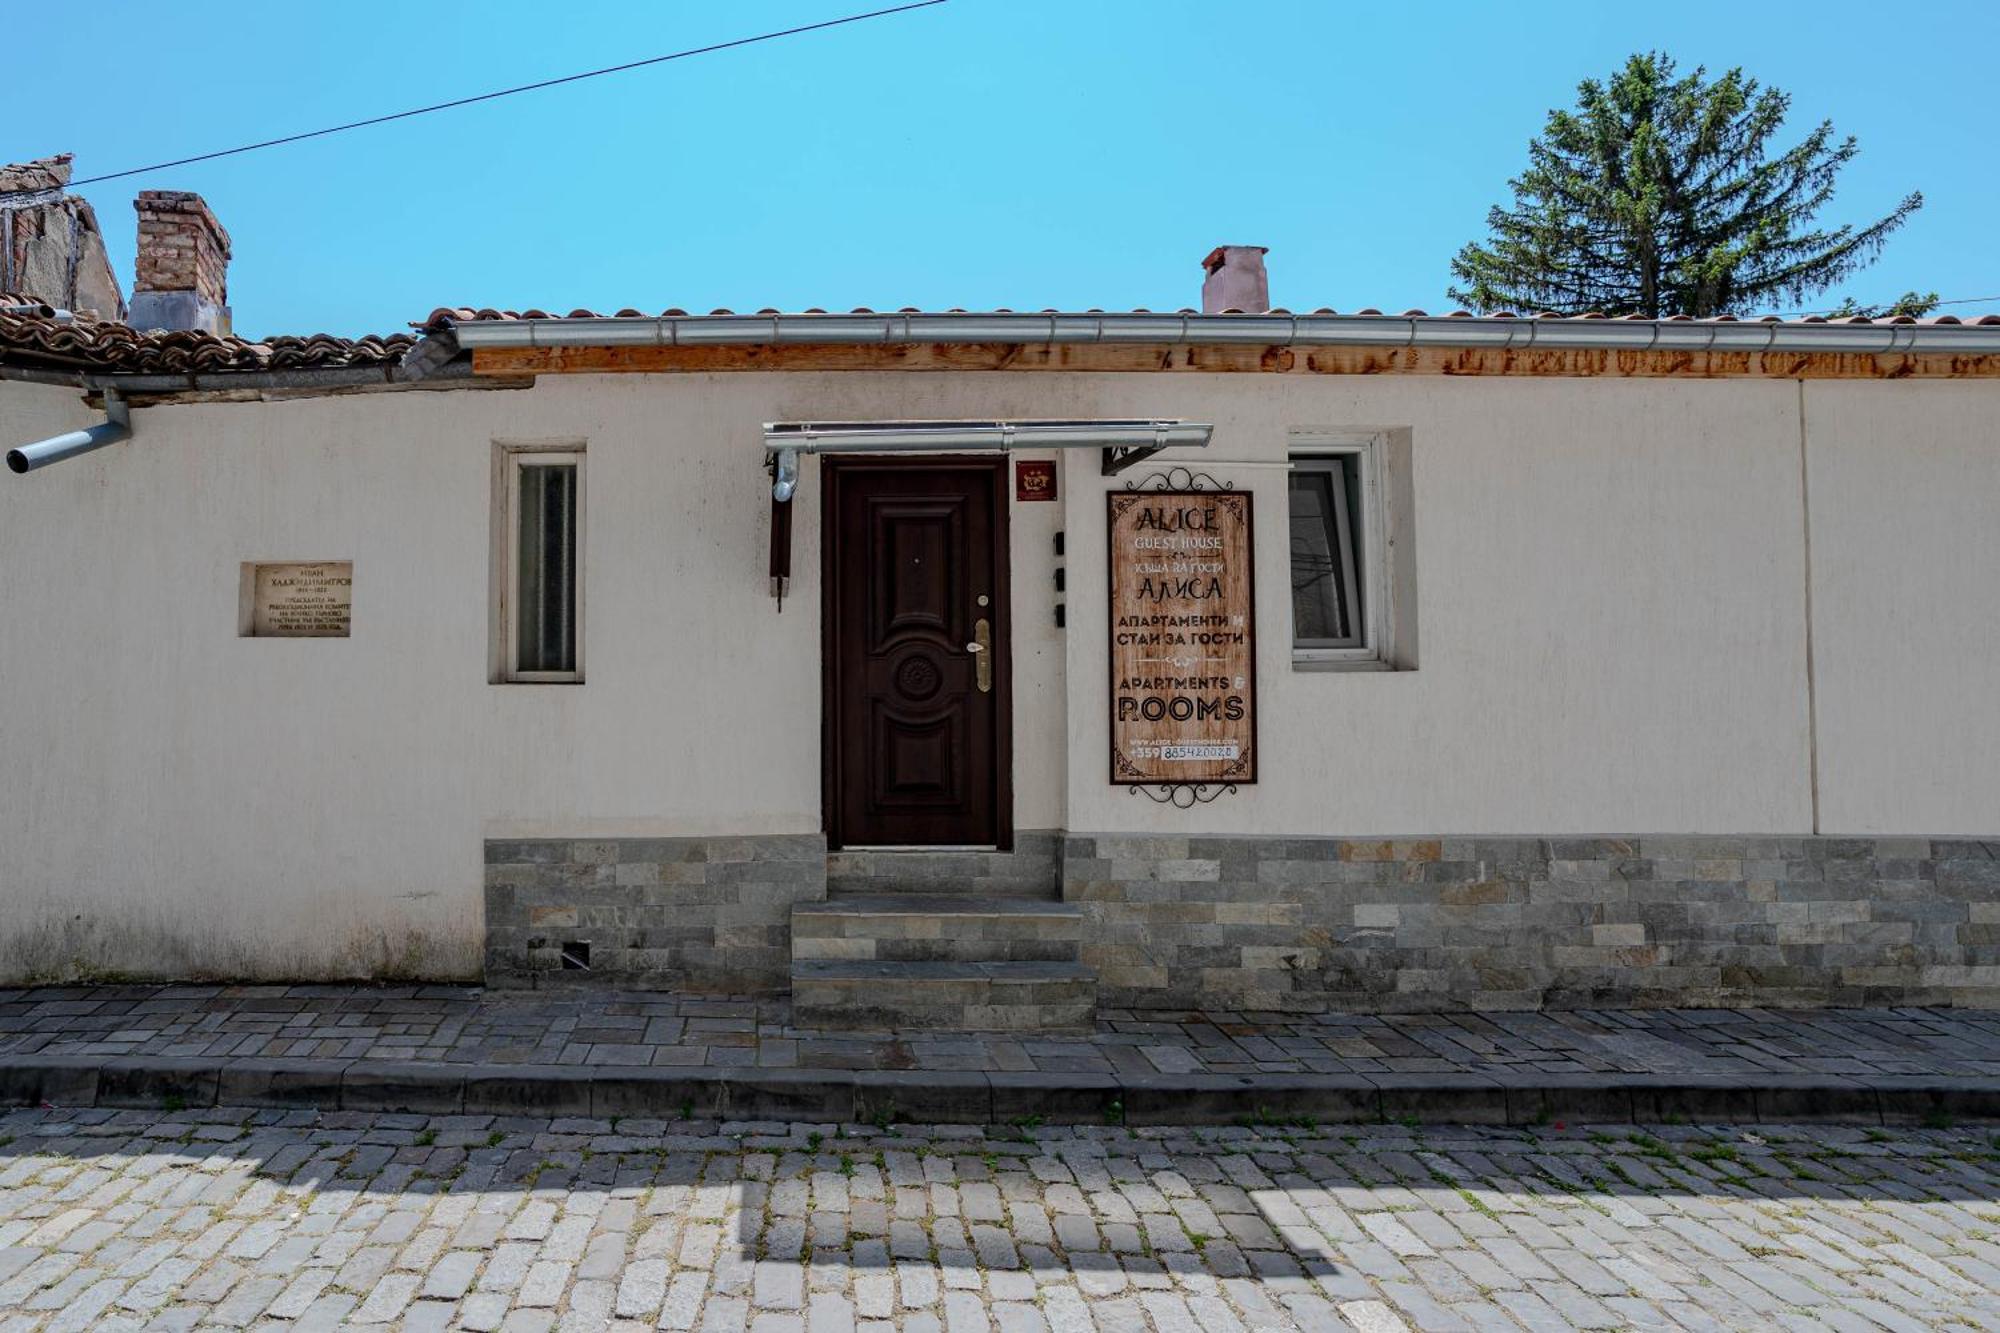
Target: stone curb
<point x="944" y="1097"/>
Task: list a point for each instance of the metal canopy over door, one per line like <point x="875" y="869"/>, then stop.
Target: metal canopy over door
<point x="916" y="642"/>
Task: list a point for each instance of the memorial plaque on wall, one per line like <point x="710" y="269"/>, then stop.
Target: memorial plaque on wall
<point x="301" y="601"/>
<point x="1183" y="638"/>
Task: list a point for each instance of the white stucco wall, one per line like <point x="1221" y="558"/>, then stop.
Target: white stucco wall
<point x="1612" y="610"/>
<point x="1905" y="484"/>
<point x="174" y="792"/>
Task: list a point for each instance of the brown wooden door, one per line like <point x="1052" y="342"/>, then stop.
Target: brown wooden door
<point x="915" y="575"/>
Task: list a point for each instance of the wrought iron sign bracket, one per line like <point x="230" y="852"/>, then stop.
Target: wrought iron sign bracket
<point x="1178" y="479"/>
<point x="1184" y="795"/>
<point x="1118" y="457"/>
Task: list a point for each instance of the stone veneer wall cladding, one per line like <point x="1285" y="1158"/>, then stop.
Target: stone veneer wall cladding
<point x="1302" y="924"/>
<point x="708" y="914"/>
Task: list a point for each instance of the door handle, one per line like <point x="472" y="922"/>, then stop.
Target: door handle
<point x="981" y="649"/>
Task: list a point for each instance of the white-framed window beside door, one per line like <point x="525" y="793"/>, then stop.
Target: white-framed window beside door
<point x="538" y="562"/>
<point x="1347" y="591"/>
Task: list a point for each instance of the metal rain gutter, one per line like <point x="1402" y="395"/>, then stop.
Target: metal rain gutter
<point x="1275" y="329"/>
<point x="149" y="384"/>
<point x="116" y="427"/>
<point x="1123" y="442"/>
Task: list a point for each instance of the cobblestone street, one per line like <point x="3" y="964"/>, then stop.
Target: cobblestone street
<point x="227" y="1218"/>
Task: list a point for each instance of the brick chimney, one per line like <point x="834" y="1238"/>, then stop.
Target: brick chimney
<point x="1235" y="280"/>
<point x="181" y="279"/>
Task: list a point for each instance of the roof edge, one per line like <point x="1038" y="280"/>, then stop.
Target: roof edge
<point x="1276" y="329"/>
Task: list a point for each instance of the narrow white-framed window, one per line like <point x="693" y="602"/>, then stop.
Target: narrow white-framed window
<point x="538" y="574"/>
<point x="1341" y="614"/>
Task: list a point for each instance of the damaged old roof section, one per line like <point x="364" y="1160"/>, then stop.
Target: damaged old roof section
<point x="62" y="317"/>
<point x="36" y="335"/>
<point x="50" y="244"/>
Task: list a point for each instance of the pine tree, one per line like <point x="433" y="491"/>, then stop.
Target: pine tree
<point x="1914" y="304"/>
<point x="1657" y="196"/>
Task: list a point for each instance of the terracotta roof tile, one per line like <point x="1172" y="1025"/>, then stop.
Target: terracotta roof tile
<point x="31" y="334"/>
<point x="445" y="316"/>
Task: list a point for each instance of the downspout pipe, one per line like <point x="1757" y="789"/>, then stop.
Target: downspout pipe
<point x="784" y="474"/>
<point x="116" y="427"/>
<point x="40" y="312"/>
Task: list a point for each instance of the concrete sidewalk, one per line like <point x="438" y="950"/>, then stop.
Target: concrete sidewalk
<point x="447" y="1050"/>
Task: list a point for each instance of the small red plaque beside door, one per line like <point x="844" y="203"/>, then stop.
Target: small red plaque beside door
<point x="1034" y="479"/>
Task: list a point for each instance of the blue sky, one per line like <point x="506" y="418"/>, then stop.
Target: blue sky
<point x="982" y="153"/>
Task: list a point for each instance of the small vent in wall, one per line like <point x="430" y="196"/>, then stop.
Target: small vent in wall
<point x="576" y="956"/>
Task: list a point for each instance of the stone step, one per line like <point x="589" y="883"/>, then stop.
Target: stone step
<point x="1033" y="869"/>
<point x="918" y="928"/>
<point x="957" y="997"/>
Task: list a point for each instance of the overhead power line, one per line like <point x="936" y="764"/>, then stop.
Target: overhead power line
<point x="1957" y="301"/>
<point x="498" y="93"/>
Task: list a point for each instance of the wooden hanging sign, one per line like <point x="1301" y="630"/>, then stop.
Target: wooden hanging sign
<point x="1183" y="638"/>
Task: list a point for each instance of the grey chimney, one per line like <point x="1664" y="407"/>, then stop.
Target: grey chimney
<point x="1235" y="280"/>
<point x="181" y="280"/>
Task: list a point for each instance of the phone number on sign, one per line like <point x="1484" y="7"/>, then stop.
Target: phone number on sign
<point x="1188" y="750"/>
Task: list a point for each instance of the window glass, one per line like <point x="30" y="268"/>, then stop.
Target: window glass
<point x="545" y="600"/>
<point x="1326" y="575"/>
